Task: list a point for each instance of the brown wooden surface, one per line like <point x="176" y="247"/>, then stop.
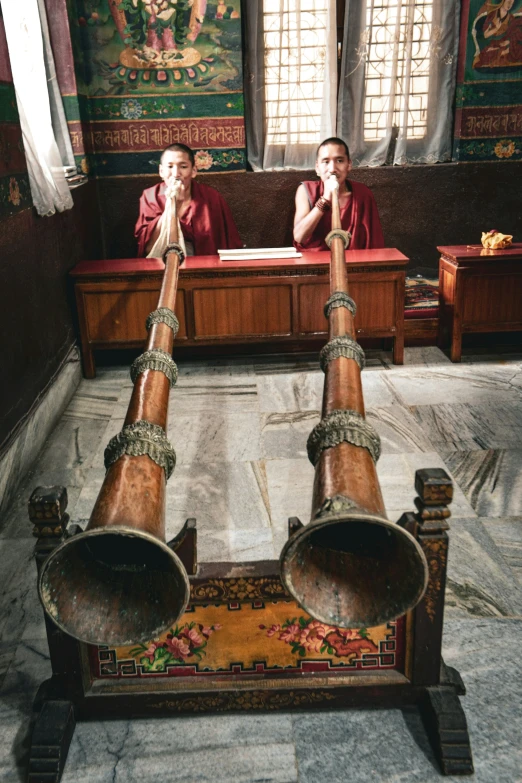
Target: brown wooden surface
<point x="233" y="303"/>
<point x="479" y="291"/>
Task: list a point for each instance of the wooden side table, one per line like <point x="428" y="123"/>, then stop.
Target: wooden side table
<point x="479" y="291"/>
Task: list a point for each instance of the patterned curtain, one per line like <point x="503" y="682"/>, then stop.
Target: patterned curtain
<point x="290" y="81"/>
<point x="397" y="85"/>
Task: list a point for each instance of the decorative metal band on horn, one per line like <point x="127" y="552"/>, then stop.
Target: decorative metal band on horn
<point x="142" y="439"/>
<point x="341" y="426"/>
<point x="163" y="315"/>
<point x="341" y="346"/>
<point x="339" y="299"/>
<point x="338" y="232"/>
<point x="155" y="359"/>
<point x="174" y="247"/>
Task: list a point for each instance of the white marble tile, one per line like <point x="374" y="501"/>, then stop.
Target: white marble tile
<point x="193" y="396"/>
<point x="123" y="755"/>
<point x="479" y="581"/>
<point x="236" y="545"/>
<point x="218" y="371"/>
<point x="68" y="453"/>
<point x="204" y="437"/>
<point x="466" y="427"/>
<point x="20" y="605"/>
<point x="284" y="435"/>
<point x="506" y="532"/>
<point x="396" y="474"/>
<point x="491" y="479"/>
<point x="424" y="356"/>
<point x="398" y="430"/>
<point x="81" y="511"/>
<point x="290" y="484"/>
<point x="93" y="400"/>
<point x="285" y="363"/>
<point x="219" y="495"/>
<point x="290" y="391"/>
<point x="456" y="384"/>
<point x="377" y="390"/>
<point x="303" y="391"/>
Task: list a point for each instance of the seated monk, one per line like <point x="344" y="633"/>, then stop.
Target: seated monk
<point x="205" y="218"/>
<point x="313" y="203"/>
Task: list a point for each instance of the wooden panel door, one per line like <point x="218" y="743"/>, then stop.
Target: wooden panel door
<point x="243" y="311"/>
<point x="119" y="315"/>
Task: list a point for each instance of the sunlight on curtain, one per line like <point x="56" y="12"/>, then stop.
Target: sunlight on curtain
<point x="398" y="80"/>
<point x="49" y="189"/>
<point x="295" y="79"/>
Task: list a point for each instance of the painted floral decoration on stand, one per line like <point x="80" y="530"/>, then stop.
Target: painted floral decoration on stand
<point x="182" y="645"/>
<point x="307" y="636"/>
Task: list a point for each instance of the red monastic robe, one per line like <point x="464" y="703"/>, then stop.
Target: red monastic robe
<point x="360" y="217"/>
<point x="207" y="223"/>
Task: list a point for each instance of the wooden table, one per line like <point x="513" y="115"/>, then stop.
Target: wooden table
<point x="277" y="302"/>
<point x="479" y="291"/>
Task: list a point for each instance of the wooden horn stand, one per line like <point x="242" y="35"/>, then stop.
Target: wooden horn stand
<point x="245" y="643"/>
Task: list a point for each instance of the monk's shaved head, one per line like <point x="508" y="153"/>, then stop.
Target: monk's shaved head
<point x="179" y="148"/>
<point x="333" y="140"/>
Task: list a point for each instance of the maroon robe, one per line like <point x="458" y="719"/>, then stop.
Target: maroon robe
<point x="207" y="223"/>
<point x="360" y="217"/>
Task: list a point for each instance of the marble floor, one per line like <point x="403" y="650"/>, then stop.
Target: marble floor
<point x="239" y="428"/>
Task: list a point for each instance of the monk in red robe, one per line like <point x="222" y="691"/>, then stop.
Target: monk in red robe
<point x="313" y="203"/>
<point x="205" y="217"/>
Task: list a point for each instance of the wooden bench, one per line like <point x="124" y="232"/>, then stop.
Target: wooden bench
<point x="277" y="302"/>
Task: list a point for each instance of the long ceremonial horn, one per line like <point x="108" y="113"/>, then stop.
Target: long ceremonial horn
<point x="118" y="582"/>
<point x="350" y="566"/>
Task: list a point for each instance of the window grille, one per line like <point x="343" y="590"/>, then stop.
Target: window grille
<point x="397" y="67"/>
<point x="294" y="62"/>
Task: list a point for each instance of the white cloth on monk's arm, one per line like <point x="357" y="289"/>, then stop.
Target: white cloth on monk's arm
<point x="161" y="243"/>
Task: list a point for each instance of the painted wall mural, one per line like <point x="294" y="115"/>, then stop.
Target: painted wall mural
<point x="15" y="191"/>
<point x="489" y="90"/>
<point x="153" y="73"/>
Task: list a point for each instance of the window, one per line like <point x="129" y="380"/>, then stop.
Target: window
<point x="295" y="35"/>
<point x="395" y="63"/>
<point x="397" y="67"/>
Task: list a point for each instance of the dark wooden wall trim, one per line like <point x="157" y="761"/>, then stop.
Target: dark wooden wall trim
<point x="420" y="206"/>
<point x="36" y="321"/>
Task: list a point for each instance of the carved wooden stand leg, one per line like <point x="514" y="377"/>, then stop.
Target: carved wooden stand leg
<point x="447" y="729"/>
<point x="55" y="722"/>
<point x="439" y="705"/>
<point x="52" y="735"/>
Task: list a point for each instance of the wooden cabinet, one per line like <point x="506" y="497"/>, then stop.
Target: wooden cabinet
<point x="277" y="301"/>
<point x="479" y="291"/>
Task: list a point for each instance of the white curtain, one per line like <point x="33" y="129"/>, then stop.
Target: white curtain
<point x="58" y="118"/>
<point x="290" y="81"/>
<point x="23" y="27"/>
<point x="397" y="85"/>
